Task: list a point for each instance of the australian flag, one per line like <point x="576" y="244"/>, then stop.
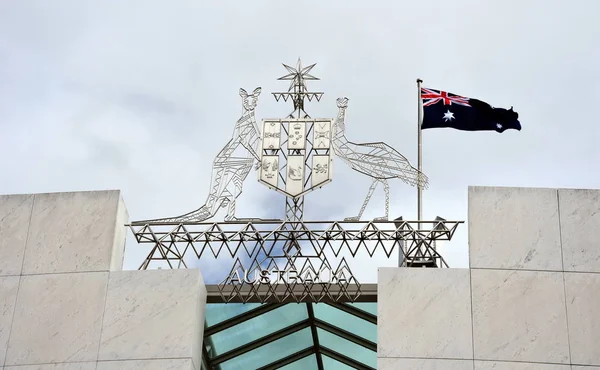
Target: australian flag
<point x="444" y="109"/>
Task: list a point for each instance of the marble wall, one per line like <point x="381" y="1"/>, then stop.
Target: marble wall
<point x="529" y="301"/>
<point x="65" y="304"/>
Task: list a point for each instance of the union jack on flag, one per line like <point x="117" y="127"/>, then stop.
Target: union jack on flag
<point x="431" y="97"/>
<point x="445" y="109"/>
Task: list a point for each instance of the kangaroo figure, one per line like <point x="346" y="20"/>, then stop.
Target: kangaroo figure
<point x="228" y="171"/>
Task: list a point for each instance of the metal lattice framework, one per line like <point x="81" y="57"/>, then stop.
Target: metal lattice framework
<point x="264" y="245"/>
<point x="377" y="160"/>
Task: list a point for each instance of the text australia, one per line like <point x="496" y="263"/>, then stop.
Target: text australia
<point x="276" y="276"/>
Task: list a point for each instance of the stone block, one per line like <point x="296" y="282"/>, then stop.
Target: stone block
<point x="57" y="318"/>
<point x="422" y="364"/>
<point x="162" y="364"/>
<point x="154" y="314"/>
<point x="120" y="237"/>
<point x="514" y="228"/>
<point x="424" y="313"/>
<point x="9" y="286"/>
<point x="75" y="232"/>
<point x="59" y="366"/>
<point x="519" y="316"/>
<point x="15" y="213"/>
<point x="583" y="306"/>
<point x="580" y="229"/>
<point x="492" y="365"/>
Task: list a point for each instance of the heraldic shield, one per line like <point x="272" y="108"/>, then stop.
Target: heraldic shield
<point x="296" y="155"/>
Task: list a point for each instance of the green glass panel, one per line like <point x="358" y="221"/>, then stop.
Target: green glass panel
<point x="219" y="312"/>
<point x="346" y="321"/>
<point x="257" y="327"/>
<point x="370" y="307"/>
<point x="331" y="364"/>
<point x="347" y="348"/>
<point x="306" y="363"/>
<point x="271" y="352"/>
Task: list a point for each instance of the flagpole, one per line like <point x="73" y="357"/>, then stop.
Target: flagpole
<point x="420" y="153"/>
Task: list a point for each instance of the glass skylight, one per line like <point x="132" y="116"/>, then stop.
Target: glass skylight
<point x="290" y="336"/>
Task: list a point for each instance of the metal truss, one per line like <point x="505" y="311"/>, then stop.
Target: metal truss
<point x="212" y="361"/>
<point x="377" y="160"/>
<point x="302" y="246"/>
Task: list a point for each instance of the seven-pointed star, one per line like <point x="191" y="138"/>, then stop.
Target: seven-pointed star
<point x="298" y="75"/>
<point x="448" y="116"/>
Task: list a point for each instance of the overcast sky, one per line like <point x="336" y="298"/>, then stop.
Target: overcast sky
<point x="141" y="95"/>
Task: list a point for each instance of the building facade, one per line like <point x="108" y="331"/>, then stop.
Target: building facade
<point x="530" y="299"/>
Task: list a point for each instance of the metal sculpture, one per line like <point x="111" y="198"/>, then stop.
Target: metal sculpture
<point x="376" y="160"/>
<point x="287" y="261"/>
<point x="228" y="171"/>
<point x="296" y="158"/>
<point x="297" y="93"/>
